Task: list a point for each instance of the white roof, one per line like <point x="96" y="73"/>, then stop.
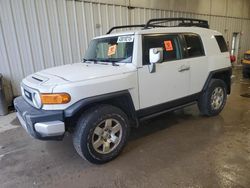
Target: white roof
<point x="199" y="30"/>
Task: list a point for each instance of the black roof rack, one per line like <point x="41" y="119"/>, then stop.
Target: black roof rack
<point x="124" y="26"/>
<point x="186" y="22"/>
<point x="183" y="22"/>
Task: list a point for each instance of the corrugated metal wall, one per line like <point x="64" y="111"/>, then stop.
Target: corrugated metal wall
<point x="39" y="34"/>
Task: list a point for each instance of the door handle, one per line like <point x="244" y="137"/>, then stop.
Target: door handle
<point x="184" y="68"/>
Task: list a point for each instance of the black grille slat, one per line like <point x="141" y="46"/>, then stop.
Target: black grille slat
<point x="28" y="94"/>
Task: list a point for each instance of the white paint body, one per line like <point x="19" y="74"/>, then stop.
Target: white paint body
<point x="84" y="80"/>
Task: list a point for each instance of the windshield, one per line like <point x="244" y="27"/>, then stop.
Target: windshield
<point x="111" y="49"/>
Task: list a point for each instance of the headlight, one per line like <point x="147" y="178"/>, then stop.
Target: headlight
<point x="55" y="98"/>
<point x="37" y="100"/>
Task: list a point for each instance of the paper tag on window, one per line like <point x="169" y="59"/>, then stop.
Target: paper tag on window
<point x="168" y="45"/>
<point x="125" y="39"/>
<point x="112" y="50"/>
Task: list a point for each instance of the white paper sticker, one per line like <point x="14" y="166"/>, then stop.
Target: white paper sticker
<point x="125" y="39"/>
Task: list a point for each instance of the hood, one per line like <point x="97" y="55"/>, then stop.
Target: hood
<point x="84" y="71"/>
<point x="42" y="82"/>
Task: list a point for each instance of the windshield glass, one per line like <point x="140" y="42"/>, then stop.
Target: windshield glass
<point x="111" y="49"/>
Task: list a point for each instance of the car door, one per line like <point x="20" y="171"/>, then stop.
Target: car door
<point x="170" y="81"/>
<point x="198" y="62"/>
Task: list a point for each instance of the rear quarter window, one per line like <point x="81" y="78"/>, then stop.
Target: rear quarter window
<point x="194" y="45"/>
<point x="222" y="43"/>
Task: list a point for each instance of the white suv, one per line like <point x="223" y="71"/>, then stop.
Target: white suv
<point x="123" y="79"/>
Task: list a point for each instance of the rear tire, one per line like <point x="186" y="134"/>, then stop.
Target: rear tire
<point x="213" y="100"/>
<point x="101" y="133"/>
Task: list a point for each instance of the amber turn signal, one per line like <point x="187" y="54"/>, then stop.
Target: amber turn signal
<point x="55" y="98"/>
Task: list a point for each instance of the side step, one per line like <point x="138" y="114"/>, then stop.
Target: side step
<point x="165" y="111"/>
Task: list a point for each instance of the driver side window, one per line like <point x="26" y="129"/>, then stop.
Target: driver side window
<point x="169" y="43"/>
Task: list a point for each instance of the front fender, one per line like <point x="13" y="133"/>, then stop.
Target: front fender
<point x="84" y="103"/>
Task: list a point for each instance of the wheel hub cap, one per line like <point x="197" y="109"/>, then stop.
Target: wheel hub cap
<point x="217" y="98"/>
<point x="107" y="135"/>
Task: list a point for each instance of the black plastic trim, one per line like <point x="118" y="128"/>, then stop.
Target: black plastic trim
<point x="78" y="106"/>
<point x="32" y="115"/>
<point x="167" y="110"/>
<point x="227" y="70"/>
<point x="168" y="106"/>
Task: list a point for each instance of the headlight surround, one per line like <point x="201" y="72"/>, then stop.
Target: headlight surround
<point x="37" y="100"/>
<point x="55" y="98"/>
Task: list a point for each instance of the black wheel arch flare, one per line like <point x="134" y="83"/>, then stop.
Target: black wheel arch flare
<point x="223" y="74"/>
<point x="120" y="99"/>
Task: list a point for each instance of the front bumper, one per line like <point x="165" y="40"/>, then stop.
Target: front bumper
<point x="40" y="124"/>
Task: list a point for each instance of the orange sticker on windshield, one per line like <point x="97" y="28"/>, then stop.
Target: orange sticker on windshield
<point x="168" y="45"/>
<point x="112" y="50"/>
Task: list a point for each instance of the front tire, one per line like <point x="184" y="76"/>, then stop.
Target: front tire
<point x="101" y="133"/>
<point x="213" y="100"/>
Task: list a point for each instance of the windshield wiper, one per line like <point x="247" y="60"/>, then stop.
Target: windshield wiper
<point x="109" y="60"/>
<point x="85" y="60"/>
<point x="101" y="60"/>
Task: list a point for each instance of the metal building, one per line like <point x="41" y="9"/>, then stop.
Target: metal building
<point x="38" y="34"/>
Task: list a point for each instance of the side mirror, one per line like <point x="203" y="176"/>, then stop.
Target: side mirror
<point x="155" y="56"/>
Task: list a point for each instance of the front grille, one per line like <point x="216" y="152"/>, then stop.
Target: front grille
<point x="247" y="56"/>
<point x="27" y="94"/>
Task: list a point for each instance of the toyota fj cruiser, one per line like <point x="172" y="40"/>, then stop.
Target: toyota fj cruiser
<point x="123" y="79"/>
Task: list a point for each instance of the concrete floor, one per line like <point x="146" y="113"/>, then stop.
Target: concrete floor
<point x="181" y="149"/>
